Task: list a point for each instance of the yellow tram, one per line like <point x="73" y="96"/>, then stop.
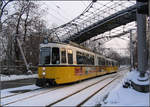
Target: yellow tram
<point x="62" y="63"/>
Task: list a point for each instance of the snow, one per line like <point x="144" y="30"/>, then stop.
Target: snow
<point x="48" y="97"/>
<point x="113" y="95"/>
<point x="134" y="76"/>
<point x="99" y="97"/>
<point x="82" y="95"/>
<point x="124" y="66"/>
<point x="127" y="96"/>
<point x="16" y="77"/>
<point x="7" y="92"/>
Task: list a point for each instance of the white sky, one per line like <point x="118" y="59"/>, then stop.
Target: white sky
<point x="61" y="12"/>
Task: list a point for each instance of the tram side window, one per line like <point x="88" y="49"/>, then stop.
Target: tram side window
<point x="55" y="56"/>
<point x="63" y="56"/>
<point x="103" y="62"/>
<point x="115" y="64"/>
<point x="84" y="58"/>
<point x="109" y="63"/>
<point x="106" y="63"/>
<point x="45" y="55"/>
<point x="99" y="61"/>
<point x="79" y="58"/>
<point x="112" y="63"/>
<point x="70" y="56"/>
<point x="87" y="59"/>
<point x="92" y="60"/>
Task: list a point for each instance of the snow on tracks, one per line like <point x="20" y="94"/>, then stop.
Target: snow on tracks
<point x="51" y="96"/>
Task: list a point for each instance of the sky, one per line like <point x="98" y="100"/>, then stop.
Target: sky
<point x="61" y="12"/>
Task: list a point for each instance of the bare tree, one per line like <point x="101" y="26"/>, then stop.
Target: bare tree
<point x="25" y="21"/>
<point x="114" y="55"/>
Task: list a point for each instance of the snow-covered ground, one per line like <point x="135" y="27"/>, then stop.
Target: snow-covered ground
<point x="82" y="95"/>
<point x="119" y="96"/>
<point x="49" y="97"/>
<point x="16" y="77"/>
<point x="127" y="96"/>
<point x="124" y="66"/>
<point x="8" y="92"/>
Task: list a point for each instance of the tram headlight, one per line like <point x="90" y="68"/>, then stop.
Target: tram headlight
<point x="43" y="68"/>
<point x="43" y="73"/>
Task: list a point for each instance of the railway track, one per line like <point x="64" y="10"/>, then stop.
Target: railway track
<point x="19" y="93"/>
<point x="23" y="96"/>
<point x="80" y="92"/>
<point x="89" y="97"/>
<point x="33" y="94"/>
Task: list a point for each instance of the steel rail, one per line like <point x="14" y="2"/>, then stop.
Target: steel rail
<point x="32" y="96"/>
<point x="18" y="94"/>
<point x="84" y="101"/>
<point x="77" y="91"/>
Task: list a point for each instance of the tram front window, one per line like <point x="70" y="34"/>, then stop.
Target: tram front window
<point x="45" y="55"/>
<point x="55" y="56"/>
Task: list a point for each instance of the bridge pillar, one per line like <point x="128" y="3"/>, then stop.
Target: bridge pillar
<point x="141" y="82"/>
<point x="141" y="36"/>
<point x="149" y="36"/>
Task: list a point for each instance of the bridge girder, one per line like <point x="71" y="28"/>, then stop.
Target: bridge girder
<point x="115" y="20"/>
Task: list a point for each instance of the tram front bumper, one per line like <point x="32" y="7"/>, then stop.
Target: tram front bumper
<point x="43" y="82"/>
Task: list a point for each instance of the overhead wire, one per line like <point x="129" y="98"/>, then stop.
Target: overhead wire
<point x="56" y="17"/>
<point x="59" y="8"/>
<point x="88" y="7"/>
<point x="82" y="1"/>
<point x="60" y="14"/>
